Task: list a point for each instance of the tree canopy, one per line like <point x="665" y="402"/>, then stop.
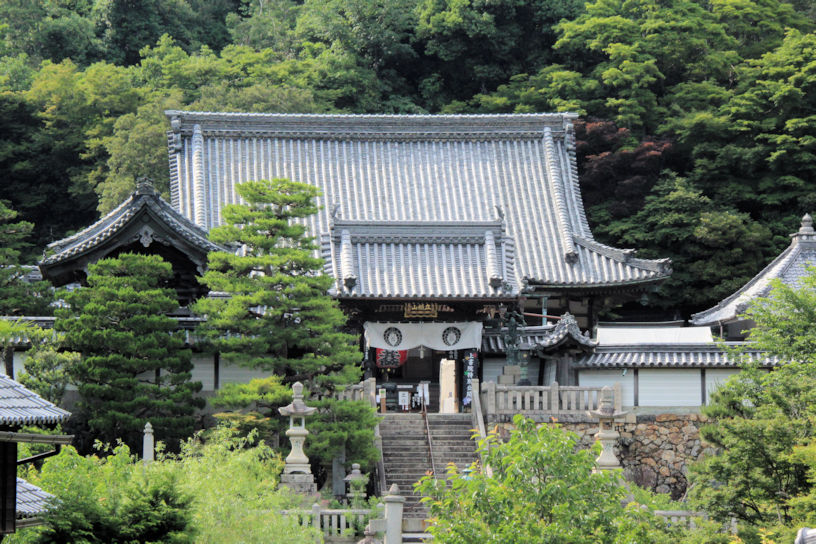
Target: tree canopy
<point x="718" y="93"/>
<point x="134" y="368"/>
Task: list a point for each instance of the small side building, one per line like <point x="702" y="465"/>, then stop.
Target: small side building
<point x="21" y="503"/>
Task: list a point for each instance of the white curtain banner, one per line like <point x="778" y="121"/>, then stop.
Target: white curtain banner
<point x="439" y="336"/>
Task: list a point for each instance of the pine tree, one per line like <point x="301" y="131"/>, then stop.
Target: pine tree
<point x="277" y="315"/>
<point x="134" y="367"/>
<point x="18" y="296"/>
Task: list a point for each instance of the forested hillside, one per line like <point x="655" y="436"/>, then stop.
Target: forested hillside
<point x="700" y="115"/>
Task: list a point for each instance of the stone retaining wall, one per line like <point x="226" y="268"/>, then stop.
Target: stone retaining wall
<point x="655" y="450"/>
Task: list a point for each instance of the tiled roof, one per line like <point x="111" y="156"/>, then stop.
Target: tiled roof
<point x="31" y="500"/>
<point x="668" y="355"/>
<point x="789" y="267"/>
<point x="109" y="226"/>
<point x="441" y="169"/>
<point x="394" y="260"/>
<point x="19" y="406"/>
<point x="540" y="338"/>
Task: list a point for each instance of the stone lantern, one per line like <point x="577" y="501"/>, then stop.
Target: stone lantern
<point x="297" y="474"/>
<point x="607" y="435"/>
<point x="356" y="481"/>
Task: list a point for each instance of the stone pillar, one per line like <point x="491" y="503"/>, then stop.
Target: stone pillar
<point x="338" y="473"/>
<point x="447" y="387"/>
<point x="393" y="516"/>
<point x="148" y="444"/>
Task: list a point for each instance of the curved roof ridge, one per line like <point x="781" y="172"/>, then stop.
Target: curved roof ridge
<point x="108" y="225"/>
<point x="626" y="256"/>
<point x="759" y="286"/>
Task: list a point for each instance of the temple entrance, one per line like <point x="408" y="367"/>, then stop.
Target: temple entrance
<point x="441" y="377"/>
<point x="424" y="362"/>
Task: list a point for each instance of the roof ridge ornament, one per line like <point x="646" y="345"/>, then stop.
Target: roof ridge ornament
<point x="807" y="225"/>
<point x="144" y="186"/>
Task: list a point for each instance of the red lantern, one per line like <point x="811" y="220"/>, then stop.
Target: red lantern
<point x="387" y="358"/>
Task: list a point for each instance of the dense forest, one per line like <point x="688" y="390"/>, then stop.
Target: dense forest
<point x="698" y="127"/>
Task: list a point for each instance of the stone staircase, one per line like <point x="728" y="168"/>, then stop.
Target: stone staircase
<point x="405" y="451"/>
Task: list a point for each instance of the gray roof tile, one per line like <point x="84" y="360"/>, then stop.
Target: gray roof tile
<point x="20" y="406"/>
<point x="109" y="225"/>
<point x="395" y="260"/>
<point x="425" y="168"/>
<point x="790" y="267"/>
<point x="668" y="355"/>
<point x="31" y="500"/>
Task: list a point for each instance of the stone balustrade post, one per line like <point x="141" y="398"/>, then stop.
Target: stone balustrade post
<point x="316" y="516"/>
<point x="555" y="400"/>
<point x="370" y="388"/>
<point x="491" y="397"/>
<point x="394" y="504"/>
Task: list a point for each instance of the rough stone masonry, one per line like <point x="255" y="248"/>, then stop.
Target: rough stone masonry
<point x="655" y="450"/>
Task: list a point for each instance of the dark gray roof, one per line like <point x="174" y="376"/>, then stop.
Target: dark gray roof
<point x="31" y="500"/>
<point x="110" y="226"/>
<point x="540" y="338"/>
<point x="393" y="260"/>
<point x="789" y="267"/>
<point x="709" y="355"/>
<point x="20" y="406"/>
<point x="439" y="169"/>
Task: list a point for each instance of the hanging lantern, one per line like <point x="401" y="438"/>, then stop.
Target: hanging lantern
<point x="387" y="358"/>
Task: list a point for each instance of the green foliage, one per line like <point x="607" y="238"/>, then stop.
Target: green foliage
<point x="110" y="499"/>
<point x="541" y="490"/>
<point x="714" y="249"/>
<point x="17" y="295"/>
<point x="278" y="316"/>
<point x="220" y="489"/>
<point x="757" y="148"/>
<point x="760" y="419"/>
<point x="48" y="371"/>
<point x="233" y="481"/>
<point x="135" y="367"/>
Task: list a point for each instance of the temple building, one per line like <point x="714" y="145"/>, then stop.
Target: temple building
<point x="448" y="235"/>
<point x="456" y="243"/>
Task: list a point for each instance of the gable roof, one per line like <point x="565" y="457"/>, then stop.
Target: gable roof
<point x="412" y="168"/>
<point x="789" y="267"/>
<point x="122" y="227"/>
<point x="393" y="260"/>
<point x="21" y="406"/>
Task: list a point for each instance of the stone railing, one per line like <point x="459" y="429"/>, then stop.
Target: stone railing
<point x="508" y="400"/>
<point x="365" y="390"/>
<point x="336" y="525"/>
<point x="684" y="518"/>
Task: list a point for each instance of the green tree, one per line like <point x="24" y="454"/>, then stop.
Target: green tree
<point x="278" y="315"/>
<point x="134" y="366"/>
<point x="760" y="419"/>
<point x="538" y="489"/>
<point x="48" y="371"/>
<point x="220" y="488"/>
<point x="756" y="150"/>
<point x="714" y="249"/>
<point x="110" y="499"/>
<point x="472" y="46"/>
<point x="19" y="295"/>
